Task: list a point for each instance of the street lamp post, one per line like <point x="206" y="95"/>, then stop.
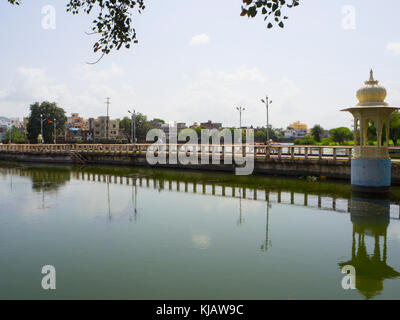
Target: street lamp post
<point x="240" y="109"/>
<point x="267" y="102"/>
<point x="11" y="133"/>
<point x="133" y="126"/>
<point x="55" y="131"/>
<point x="41" y="126"/>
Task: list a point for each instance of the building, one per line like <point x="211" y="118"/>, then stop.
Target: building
<point x="156" y="124"/>
<point x="14" y="122"/>
<point x="298" y="126"/>
<point x="289" y="134"/>
<point x="211" y="125"/>
<point x="77" y="129"/>
<point x="77" y="122"/>
<point x="296" y="130"/>
<point x="99" y="129"/>
<point x="3" y="131"/>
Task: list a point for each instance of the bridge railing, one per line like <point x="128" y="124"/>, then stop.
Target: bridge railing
<point x="274" y="151"/>
<point x="258" y="150"/>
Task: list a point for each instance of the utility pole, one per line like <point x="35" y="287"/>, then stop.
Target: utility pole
<point x="267" y="102"/>
<point x="108" y="119"/>
<point x="240" y="109"/>
<point x="55" y="131"/>
<point x="133" y="125"/>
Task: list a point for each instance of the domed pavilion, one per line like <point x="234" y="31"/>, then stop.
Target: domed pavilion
<point x="371" y="164"/>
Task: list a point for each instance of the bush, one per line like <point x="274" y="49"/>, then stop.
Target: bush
<point x="306" y="141"/>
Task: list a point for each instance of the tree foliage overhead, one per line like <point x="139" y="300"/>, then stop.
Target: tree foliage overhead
<point x="114" y="25"/>
<point x="273" y="11"/>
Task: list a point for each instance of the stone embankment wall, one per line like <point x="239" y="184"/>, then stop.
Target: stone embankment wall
<point x="332" y="169"/>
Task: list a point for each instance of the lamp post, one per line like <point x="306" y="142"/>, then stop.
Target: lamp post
<point x="11" y="133"/>
<point x="55" y="131"/>
<point x="41" y="126"/>
<point x="240" y="109"/>
<point x="133" y="126"/>
<point x="267" y="102"/>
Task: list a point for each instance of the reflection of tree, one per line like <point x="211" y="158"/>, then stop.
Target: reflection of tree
<point x="48" y="180"/>
<point x="370" y="217"/>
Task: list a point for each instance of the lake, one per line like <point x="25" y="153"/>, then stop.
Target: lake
<point x="127" y="233"/>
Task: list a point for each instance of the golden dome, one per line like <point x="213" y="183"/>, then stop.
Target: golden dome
<point x="371" y="94"/>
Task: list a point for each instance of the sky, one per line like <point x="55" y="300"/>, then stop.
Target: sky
<point x="199" y="60"/>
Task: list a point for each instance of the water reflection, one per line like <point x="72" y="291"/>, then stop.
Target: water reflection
<point x="370" y="218"/>
<point x="240" y="220"/>
<point x="227" y="222"/>
<point x="267" y="243"/>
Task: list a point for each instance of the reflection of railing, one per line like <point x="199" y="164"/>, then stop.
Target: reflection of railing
<point x="258" y="150"/>
<point x="317" y="201"/>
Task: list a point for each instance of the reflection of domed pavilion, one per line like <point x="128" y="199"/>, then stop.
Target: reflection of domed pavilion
<point x="370" y="217"/>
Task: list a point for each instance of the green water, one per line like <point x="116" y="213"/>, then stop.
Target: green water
<point x="121" y="233"/>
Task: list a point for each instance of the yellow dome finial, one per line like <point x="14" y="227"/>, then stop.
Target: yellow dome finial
<point x="371" y="94"/>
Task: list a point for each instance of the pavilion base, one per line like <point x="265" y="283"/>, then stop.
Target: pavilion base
<point x="370" y="175"/>
<point x="370" y="190"/>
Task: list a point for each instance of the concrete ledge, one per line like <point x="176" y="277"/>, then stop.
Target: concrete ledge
<point x="332" y="169"/>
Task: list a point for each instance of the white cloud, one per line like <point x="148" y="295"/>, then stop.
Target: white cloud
<point x="199" y="40"/>
<point x="208" y="94"/>
<point x="86" y="94"/>
<point x="213" y="94"/>
<point x="394" y="48"/>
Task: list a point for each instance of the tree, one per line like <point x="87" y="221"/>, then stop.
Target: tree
<point x="142" y="126"/>
<point x="317" y="131"/>
<point x="260" y="135"/>
<point x="394" y="130"/>
<point x="341" y="134"/>
<point x="50" y="111"/>
<point x="308" y="140"/>
<point x="371" y="133"/>
<point x="114" y="24"/>
<point x="13" y="135"/>
<point x="158" y="120"/>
